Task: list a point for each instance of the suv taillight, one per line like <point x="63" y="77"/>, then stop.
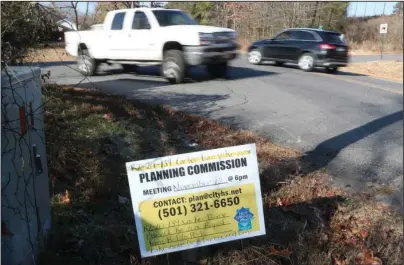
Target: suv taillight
<point x="327" y="46"/>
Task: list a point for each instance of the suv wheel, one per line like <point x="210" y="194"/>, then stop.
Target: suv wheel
<point x="254" y="57"/>
<point x="306" y="62"/>
<point x="331" y="70"/>
<point x="173" y="68"/>
<point x="218" y="70"/>
<point x="86" y="64"/>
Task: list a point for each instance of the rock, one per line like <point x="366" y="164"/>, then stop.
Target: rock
<point x="80" y="243"/>
<point x="192" y="144"/>
<point x="122" y="200"/>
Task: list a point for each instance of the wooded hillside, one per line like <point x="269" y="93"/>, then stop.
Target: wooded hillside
<point x="254" y="20"/>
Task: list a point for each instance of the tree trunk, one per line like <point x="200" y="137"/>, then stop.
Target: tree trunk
<point x="330" y="17"/>
<point x="85" y="17"/>
<point x="313" y="19"/>
<point x="76" y="16"/>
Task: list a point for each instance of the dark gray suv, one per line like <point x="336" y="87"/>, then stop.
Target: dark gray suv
<point x="307" y="47"/>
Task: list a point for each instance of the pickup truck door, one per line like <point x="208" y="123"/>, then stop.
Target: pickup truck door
<point x="117" y="37"/>
<point x="141" y="44"/>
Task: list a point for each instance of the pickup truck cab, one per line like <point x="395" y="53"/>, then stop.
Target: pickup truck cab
<point x="153" y="36"/>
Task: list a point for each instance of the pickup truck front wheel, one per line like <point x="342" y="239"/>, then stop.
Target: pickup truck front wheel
<point x="87" y="66"/>
<point x="173" y="68"/>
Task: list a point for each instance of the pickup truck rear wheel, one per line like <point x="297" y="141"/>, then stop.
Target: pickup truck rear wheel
<point x="86" y="64"/>
<point x="173" y="68"/>
<point x="218" y="70"/>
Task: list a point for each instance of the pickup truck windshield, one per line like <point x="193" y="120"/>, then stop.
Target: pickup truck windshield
<point x="172" y="18"/>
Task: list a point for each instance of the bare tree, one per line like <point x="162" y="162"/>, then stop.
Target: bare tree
<point x="86" y="14"/>
<point x="76" y="16"/>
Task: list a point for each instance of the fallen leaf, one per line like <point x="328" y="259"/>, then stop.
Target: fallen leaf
<point x="351" y="241"/>
<point x="284" y="252"/>
<point x="340" y="262"/>
<point x="367" y="258"/>
<point x="122" y="199"/>
<point x="364" y="233"/>
<point x="107" y="116"/>
<point x="373" y="261"/>
<point x="132" y="260"/>
<point x="354" y="231"/>
<point x="65" y="198"/>
<point x="286" y="202"/>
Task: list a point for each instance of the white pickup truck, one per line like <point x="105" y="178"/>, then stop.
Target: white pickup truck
<point x="153" y="36"/>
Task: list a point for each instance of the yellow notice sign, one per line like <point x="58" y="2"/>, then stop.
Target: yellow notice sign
<point x="199" y="217"/>
<point x="197" y="204"/>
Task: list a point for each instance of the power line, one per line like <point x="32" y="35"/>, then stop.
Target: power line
<point x="374" y="11"/>
<point x="364" y="14"/>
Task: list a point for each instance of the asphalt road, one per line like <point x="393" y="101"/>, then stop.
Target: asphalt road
<point x="349" y="123"/>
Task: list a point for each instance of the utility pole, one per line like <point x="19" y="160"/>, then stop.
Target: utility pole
<point x="384" y="7"/>
<point x="382" y="40"/>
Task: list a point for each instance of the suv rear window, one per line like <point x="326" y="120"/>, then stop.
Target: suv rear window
<point x="333" y="38"/>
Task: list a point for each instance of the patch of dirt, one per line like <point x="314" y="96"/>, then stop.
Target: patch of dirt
<point x="50" y="54"/>
<point x="390" y="70"/>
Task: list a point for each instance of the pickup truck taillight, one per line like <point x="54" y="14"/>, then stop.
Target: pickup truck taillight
<point x="327" y="46"/>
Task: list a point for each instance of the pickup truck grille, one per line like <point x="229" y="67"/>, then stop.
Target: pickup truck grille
<point x="222" y="37"/>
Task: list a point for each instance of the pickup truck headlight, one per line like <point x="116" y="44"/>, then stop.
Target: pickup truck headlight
<point x="205" y="38"/>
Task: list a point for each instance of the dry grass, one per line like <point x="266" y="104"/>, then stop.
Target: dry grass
<point x="392" y="70"/>
<point x="364" y="51"/>
<point x="364" y="35"/>
<point x="372" y="48"/>
<point x="89" y="138"/>
<point x="48" y="55"/>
